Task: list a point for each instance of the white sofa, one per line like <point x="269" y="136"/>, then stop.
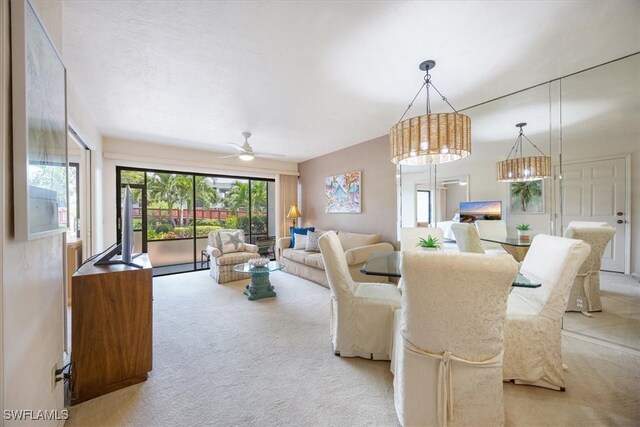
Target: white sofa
<point x="308" y="265"/>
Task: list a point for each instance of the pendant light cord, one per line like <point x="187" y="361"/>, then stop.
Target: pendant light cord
<point x="412" y="101"/>
<point x="427" y="83"/>
<point x="444" y="98"/>
<point x="517" y="146"/>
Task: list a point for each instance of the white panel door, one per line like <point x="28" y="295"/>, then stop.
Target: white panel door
<point x="596" y="191"/>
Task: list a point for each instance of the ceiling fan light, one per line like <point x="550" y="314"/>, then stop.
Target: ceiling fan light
<point x="246" y="157"/>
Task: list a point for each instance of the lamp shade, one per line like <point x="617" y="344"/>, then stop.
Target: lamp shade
<point x="523" y="169"/>
<point x="529" y="168"/>
<point x="294" y="212"/>
<point x="431" y="139"/>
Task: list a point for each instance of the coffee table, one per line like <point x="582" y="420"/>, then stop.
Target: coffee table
<point x="259" y="286"/>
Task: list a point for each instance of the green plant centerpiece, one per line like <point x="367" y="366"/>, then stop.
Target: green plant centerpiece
<point x="430" y="243"/>
<point x="523" y="231"/>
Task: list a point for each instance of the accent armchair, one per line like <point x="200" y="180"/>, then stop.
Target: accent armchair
<point x="361" y="313"/>
<point x="227" y="248"/>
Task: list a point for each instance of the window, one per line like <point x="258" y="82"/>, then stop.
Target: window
<point x="423" y="207"/>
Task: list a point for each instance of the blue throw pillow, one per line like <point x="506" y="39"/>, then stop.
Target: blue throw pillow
<point x="302" y="230"/>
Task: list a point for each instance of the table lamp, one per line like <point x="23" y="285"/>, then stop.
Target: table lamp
<point x="294" y="214"/>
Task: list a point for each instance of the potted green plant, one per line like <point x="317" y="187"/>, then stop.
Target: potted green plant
<point x="523" y="231"/>
<point x="429" y="244"/>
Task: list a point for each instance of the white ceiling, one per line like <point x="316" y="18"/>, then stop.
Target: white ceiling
<point x="308" y="78"/>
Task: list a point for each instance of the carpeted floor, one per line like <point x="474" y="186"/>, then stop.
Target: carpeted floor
<point x="222" y="360"/>
<point x="619" y="320"/>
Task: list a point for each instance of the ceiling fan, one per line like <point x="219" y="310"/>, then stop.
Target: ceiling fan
<point x="246" y="152"/>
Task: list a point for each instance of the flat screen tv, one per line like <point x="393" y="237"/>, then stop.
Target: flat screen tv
<point x="125" y="247"/>
<point x="473" y="211"/>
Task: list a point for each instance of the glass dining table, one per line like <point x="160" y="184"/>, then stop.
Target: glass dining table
<point x="388" y="264"/>
<point x="515" y="246"/>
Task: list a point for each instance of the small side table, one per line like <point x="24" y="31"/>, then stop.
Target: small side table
<point x="205" y="258"/>
<point x="259" y="286"/>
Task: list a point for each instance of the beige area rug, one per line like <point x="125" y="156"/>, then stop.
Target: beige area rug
<point x="221" y="360"/>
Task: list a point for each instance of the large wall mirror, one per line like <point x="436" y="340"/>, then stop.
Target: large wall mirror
<point x="600" y="157"/>
<point x="589" y="124"/>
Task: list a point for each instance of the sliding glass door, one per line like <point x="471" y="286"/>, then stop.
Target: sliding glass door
<point x="175" y="211"/>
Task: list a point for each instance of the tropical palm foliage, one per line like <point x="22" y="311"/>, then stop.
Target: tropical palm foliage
<point x="237" y="198"/>
<point x="525" y="192"/>
<point x="161" y="187"/>
<point x="170" y="191"/>
<point x="206" y="193"/>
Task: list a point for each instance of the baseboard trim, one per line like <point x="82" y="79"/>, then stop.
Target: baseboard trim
<point x="614" y="346"/>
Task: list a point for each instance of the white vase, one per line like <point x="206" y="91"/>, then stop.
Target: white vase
<point x="428" y="249"/>
<point x="523" y="235"/>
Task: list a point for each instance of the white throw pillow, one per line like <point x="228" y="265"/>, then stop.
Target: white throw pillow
<point x="301" y="242"/>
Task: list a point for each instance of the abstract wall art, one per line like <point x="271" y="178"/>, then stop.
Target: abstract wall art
<point x="343" y="192"/>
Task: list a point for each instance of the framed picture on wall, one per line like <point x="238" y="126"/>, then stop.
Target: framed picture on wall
<point x="343" y="192"/>
<point x="527" y="197"/>
<point x="39" y="128"/>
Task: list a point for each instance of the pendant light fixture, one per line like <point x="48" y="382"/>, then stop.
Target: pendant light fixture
<point x="430" y="138"/>
<point x="521" y="168"/>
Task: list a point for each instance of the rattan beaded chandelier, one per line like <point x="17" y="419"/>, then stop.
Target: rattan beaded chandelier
<point x="430" y="138"/>
<point x="521" y="168"/>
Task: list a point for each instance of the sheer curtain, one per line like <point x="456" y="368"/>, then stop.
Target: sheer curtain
<point x="286" y="195"/>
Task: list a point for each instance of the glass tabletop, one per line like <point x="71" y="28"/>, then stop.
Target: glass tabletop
<point x="511" y="241"/>
<point x="382" y="264"/>
<point x="248" y="268"/>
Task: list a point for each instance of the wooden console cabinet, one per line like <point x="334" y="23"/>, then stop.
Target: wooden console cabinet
<point x="111" y="328"/>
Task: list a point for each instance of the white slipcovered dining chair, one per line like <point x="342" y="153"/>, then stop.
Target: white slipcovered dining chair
<point x="494" y="229"/>
<point x="410" y="236"/>
<point x="361" y="313"/>
<point x="448" y="343"/>
<point x="585" y="292"/>
<point x="467" y="238"/>
<point x="533" y="339"/>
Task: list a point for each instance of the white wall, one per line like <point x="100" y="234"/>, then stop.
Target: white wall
<point x="456" y="193"/>
<point x="33" y="272"/>
<point x="121" y="152"/>
<point x="32" y="286"/>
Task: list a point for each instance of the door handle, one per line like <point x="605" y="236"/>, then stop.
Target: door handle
<point x="619" y="214"/>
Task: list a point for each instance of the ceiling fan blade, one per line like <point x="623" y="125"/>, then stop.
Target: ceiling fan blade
<point x="237" y="147"/>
